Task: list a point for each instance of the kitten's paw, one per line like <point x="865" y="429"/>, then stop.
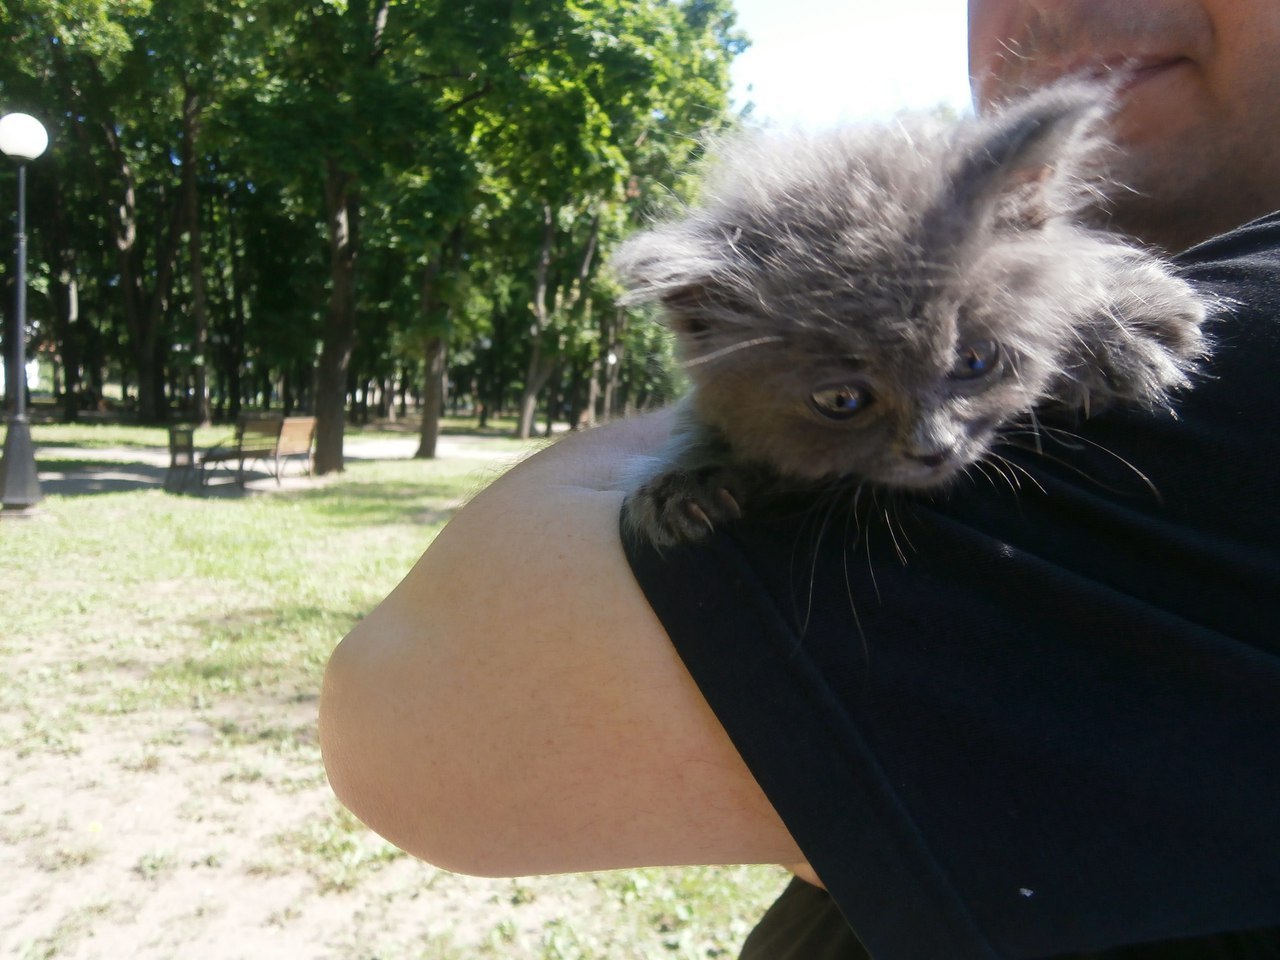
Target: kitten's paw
<point x="1145" y="345"/>
<point x="1162" y="344"/>
<point x="683" y="506"/>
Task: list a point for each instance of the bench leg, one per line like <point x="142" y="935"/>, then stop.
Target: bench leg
<point x="185" y="477"/>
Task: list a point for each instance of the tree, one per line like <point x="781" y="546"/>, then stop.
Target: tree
<point x="271" y="202"/>
<point x="618" y="89"/>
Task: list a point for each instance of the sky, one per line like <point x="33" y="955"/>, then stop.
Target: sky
<point x="818" y="62"/>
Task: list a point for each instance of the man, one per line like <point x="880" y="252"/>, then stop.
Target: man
<point x="1198" y="133"/>
<point x="1057" y="742"/>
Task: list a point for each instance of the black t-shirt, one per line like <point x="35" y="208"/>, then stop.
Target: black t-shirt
<point x="1031" y="723"/>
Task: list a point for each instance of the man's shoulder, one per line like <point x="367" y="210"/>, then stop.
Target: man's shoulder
<point x="1258" y="238"/>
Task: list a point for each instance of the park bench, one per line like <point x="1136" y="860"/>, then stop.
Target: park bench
<point x="269" y="440"/>
<point x="182" y="457"/>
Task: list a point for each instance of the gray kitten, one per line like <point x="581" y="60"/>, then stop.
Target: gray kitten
<point x="872" y="304"/>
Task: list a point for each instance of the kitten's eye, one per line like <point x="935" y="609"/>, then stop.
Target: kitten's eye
<point x="840" y="403"/>
<point x="974" y="360"/>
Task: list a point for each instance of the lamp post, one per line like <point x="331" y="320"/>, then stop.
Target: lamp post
<point x="23" y="138"/>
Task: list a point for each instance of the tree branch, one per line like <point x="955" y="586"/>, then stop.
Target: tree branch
<point x="474" y="95"/>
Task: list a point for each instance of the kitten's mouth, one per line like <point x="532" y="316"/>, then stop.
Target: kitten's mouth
<point x="921" y="475"/>
<point x="931" y="470"/>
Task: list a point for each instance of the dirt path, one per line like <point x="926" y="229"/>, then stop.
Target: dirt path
<point x="210" y="832"/>
<point x="198" y="835"/>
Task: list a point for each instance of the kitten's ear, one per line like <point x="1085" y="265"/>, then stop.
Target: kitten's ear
<point x="695" y="308"/>
<point x="1031" y="161"/>
<point x="678" y="268"/>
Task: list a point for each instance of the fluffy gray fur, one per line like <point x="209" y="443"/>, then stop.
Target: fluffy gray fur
<point x="872" y="304"/>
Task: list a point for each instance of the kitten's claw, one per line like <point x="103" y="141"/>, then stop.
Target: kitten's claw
<point x="699" y="515"/>
<point x="730" y="503"/>
<point x="682" y="506"/>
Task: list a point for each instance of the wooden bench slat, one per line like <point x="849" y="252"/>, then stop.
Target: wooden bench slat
<point x="271" y="440"/>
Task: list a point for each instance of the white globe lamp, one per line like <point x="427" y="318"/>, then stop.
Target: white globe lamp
<point x="24" y="138"/>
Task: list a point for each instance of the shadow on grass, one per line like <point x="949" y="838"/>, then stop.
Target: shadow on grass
<point x="354" y="503"/>
<point x="46" y="434"/>
<point x="116" y="441"/>
<point x="82" y="477"/>
<point x="381" y="488"/>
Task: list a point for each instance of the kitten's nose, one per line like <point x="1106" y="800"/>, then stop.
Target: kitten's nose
<point x="932" y="440"/>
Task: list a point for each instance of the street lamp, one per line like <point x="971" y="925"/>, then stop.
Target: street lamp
<point x="23" y="138"/>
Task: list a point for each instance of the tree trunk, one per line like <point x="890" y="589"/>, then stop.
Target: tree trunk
<point x="125" y="230"/>
<point x="612" y="365"/>
<point x="539" y="369"/>
<point x="581" y="396"/>
<point x="143" y="312"/>
<point x="435" y="320"/>
<point x="195" y="251"/>
<point x="117" y="188"/>
<point x="594" y="376"/>
<point x="235" y="348"/>
<point x="432" y="394"/>
<point x="342" y="208"/>
<point x="555" y="402"/>
<point x="66" y="308"/>
<point x="541" y="366"/>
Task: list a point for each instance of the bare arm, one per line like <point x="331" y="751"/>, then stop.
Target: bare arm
<point x="514" y="706"/>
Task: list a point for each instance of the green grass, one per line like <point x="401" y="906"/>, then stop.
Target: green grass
<point x="139" y="601"/>
<point x="103" y="435"/>
<point x="141" y="616"/>
<point x="338" y="853"/>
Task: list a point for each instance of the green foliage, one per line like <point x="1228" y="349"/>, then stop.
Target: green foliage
<point x="445" y="130"/>
<point x="37" y="31"/>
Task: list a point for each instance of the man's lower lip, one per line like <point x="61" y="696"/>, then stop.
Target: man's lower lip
<point x="1141" y="75"/>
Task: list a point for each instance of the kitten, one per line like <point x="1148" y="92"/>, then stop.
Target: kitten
<point x="872" y="304"/>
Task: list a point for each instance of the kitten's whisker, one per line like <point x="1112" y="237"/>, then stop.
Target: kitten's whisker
<point x="981" y="467"/>
<point x="1013" y="465"/>
<point x="732" y="348"/>
<point x="1058" y="433"/>
<point x="902" y="528"/>
<point x="1035" y="426"/>
<point x="851" y="516"/>
<point x="1063" y="463"/>
<point x="865" y="535"/>
<point x="813" y="565"/>
<point x="795" y="552"/>
<point x="1155" y="491"/>
<point x="888" y="522"/>
<point x="1005" y="469"/>
<point x="1010" y="477"/>
<point x="1043" y="431"/>
<point x="984" y="464"/>
<point x="871" y="569"/>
